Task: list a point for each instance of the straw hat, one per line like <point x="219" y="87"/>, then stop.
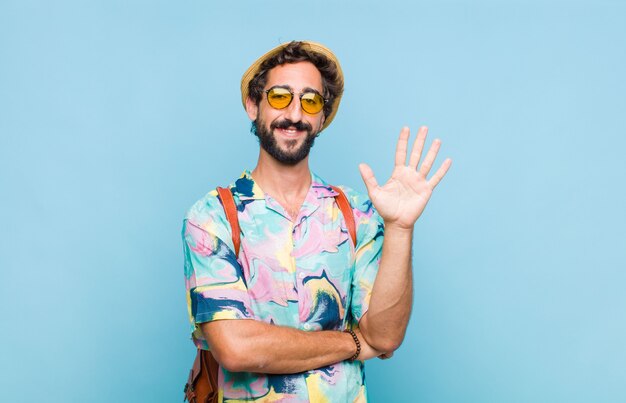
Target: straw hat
<point x="310" y="46"/>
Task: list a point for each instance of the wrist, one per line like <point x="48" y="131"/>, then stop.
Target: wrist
<point x="395" y="227"/>
<point x="357" y="344"/>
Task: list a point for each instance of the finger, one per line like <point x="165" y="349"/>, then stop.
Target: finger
<point x="402" y="146"/>
<point x="418" y="146"/>
<point x="441" y="172"/>
<point x="368" y="177"/>
<point x="430" y="157"/>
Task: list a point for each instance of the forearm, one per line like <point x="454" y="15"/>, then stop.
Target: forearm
<point x="385" y="322"/>
<point x="254" y="346"/>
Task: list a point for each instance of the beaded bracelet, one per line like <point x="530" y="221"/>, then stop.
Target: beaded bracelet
<point x="357" y="342"/>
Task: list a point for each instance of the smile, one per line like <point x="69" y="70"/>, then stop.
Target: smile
<point x="290" y="132"/>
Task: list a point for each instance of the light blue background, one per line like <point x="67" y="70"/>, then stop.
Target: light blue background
<point x="115" y="116"/>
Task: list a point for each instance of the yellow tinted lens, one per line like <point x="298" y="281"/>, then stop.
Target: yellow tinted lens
<point x="312" y="102"/>
<point x="279" y="98"/>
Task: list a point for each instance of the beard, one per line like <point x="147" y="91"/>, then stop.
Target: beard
<point x="268" y="142"/>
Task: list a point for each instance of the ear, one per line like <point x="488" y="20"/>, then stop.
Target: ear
<point x="252" y="109"/>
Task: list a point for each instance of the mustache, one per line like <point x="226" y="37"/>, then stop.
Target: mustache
<point x="286" y="124"/>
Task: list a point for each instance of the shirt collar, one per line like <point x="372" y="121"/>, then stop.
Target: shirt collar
<point x="321" y="188"/>
<point x="247" y="189"/>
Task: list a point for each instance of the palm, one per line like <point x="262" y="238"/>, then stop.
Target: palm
<point x="403" y="198"/>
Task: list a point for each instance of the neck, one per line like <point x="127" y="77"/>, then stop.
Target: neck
<point x="288" y="184"/>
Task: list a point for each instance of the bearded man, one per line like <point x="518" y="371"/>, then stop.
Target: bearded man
<point x="292" y="313"/>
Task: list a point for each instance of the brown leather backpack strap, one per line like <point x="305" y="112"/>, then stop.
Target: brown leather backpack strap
<point x="346" y="210"/>
<point x="230" y="208"/>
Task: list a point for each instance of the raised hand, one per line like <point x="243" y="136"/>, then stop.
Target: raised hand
<point x="403" y="198"/>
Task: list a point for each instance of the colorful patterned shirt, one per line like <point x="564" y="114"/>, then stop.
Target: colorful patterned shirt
<point x="303" y="273"/>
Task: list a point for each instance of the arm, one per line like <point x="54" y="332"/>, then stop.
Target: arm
<point x="254" y="346"/>
<point x="384" y="324"/>
<point x="400" y="202"/>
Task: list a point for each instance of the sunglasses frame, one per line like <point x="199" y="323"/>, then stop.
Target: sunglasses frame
<point x="267" y="96"/>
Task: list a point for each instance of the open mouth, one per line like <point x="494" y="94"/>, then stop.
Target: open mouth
<point x="290" y="131"/>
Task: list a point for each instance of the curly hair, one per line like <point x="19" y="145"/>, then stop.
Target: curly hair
<point x="296" y="52"/>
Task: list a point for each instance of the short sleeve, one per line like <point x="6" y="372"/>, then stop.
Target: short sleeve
<point x="216" y="286"/>
<point x="370" y="235"/>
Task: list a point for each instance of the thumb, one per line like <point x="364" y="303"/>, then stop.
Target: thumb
<point x="368" y="177"/>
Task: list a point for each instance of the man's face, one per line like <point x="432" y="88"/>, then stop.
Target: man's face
<point x="288" y="134"/>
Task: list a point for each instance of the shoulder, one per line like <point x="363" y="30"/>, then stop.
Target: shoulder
<point x="367" y="219"/>
<point x="205" y="209"/>
<point x="369" y="223"/>
<point x="359" y="201"/>
<point x="208" y="215"/>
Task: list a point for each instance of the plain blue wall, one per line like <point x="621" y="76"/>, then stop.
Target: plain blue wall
<point x="115" y="116"/>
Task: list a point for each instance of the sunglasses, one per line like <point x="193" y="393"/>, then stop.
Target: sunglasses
<point x="280" y="98"/>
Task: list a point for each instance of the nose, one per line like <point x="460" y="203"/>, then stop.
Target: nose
<point x="294" y="112"/>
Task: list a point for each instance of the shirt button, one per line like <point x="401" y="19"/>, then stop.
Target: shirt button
<point x="306" y="326"/>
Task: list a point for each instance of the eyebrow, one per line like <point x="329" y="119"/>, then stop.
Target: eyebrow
<point x="284" y="86"/>
<point x="304" y="90"/>
<point x="309" y="89"/>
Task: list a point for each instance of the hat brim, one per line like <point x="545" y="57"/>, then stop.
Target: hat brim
<point x="310" y="46"/>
